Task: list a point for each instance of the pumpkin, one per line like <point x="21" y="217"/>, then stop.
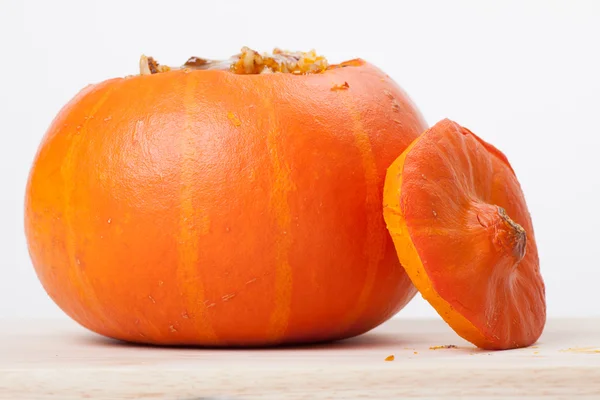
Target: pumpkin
<point x="223" y="203"/>
<point x="463" y="232"/>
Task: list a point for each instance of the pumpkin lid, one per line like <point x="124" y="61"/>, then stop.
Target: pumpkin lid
<point x="462" y="231"/>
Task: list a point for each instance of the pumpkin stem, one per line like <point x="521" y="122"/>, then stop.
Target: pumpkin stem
<point x="515" y="236"/>
<point x="506" y="234"/>
<point x="248" y="62"/>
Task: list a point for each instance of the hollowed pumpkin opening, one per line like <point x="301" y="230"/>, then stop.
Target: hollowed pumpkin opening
<point x="251" y="62"/>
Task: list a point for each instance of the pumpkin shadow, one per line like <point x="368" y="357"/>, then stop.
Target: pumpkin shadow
<point x="369" y="340"/>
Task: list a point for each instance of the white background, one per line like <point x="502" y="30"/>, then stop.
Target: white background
<point x="524" y="75"/>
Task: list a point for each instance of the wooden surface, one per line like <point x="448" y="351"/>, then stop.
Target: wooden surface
<point x="49" y="359"/>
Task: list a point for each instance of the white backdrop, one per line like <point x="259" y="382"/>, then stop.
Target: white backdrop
<point x="524" y="75"/>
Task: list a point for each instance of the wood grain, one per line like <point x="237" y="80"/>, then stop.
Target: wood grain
<point x="56" y="359"/>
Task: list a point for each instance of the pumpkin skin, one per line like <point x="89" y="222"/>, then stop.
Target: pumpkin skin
<point x="216" y="209"/>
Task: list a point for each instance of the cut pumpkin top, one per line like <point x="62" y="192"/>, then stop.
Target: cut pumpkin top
<point x="462" y="231"/>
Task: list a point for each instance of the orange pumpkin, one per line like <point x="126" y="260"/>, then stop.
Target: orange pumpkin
<point x="460" y="223"/>
<point x="209" y="206"/>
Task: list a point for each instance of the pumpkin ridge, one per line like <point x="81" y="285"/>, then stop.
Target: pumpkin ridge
<point x="282" y="186"/>
<point x="68" y="171"/>
<point x="192" y="224"/>
<point x="374" y="246"/>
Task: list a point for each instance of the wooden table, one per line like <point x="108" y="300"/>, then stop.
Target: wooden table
<point x="49" y="359"/>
